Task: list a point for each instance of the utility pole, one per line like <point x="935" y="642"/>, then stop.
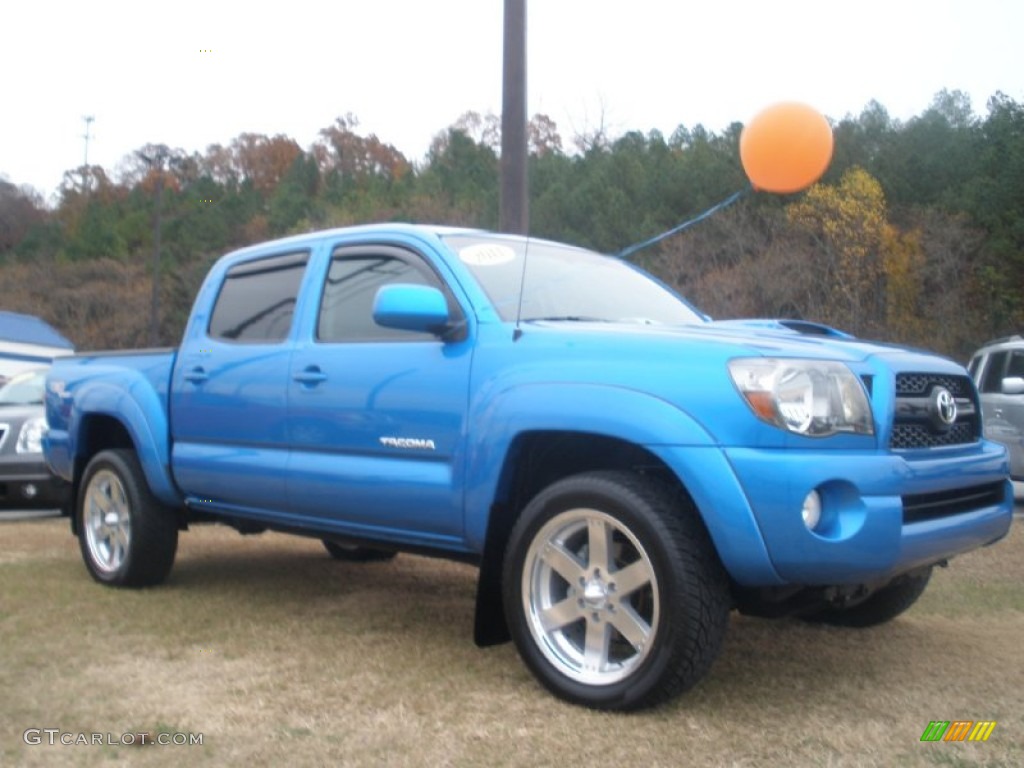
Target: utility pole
<point x="85" y="162"/>
<point x="514" y="211"/>
<point x="154" y="300"/>
<point x="157" y="158"/>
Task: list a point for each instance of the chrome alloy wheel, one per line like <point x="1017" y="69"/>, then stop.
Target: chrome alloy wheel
<point x="590" y="596"/>
<point x="107" y="519"/>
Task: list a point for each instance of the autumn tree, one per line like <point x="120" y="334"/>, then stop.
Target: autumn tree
<point x="903" y="261"/>
<point x="98" y="304"/>
<point x="542" y="133"/>
<point x="345" y="158"/>
<point x="263" y="160"/>
<point x="847" y="223"/>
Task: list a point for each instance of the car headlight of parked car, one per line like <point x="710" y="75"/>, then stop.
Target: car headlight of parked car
<point x="809" y="397"/>
<point x="30" y="439"/>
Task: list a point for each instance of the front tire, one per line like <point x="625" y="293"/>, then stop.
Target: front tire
<point x="882" y="606"/>
<point x="613" y="592"/>
<point x="127" y="537"/>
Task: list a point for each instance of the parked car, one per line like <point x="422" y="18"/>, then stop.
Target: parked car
<point x="25" y="480"/>
<point x="998" y="370"/>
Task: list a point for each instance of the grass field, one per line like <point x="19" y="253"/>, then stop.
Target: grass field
<point x="278" y="655"/>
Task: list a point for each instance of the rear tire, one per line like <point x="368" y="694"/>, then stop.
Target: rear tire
<point x="127" y="537"/>
<point x="613" y="591"/>
<point x="884" y="605"/>
<point x="356" y="553"/>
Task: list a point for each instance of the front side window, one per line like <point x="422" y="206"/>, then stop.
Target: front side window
<point x="993" y="378"/>
<point x="354" y="277"/>
<point x="257" y="301"/>
<point x="973" y="366"/>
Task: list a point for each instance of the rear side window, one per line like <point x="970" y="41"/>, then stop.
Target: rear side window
<point x="992" y="381"/>
<point x="257" y="301"/>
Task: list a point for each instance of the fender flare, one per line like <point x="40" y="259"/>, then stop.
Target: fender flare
<point x="131" y="401"/>
<point x="609" y="411"/>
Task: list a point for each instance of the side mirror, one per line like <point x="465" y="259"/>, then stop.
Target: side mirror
<point x="411" y="308"/>
<point x="1013" y="385"/>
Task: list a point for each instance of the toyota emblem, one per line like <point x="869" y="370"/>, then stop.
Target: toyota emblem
<point x="945" y="406"/>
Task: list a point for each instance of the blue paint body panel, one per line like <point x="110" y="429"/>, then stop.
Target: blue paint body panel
<point x="409" y="442"/>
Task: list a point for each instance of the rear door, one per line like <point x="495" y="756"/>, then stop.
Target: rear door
<point x="377" y="415"/>
<point x="229" y="390"/>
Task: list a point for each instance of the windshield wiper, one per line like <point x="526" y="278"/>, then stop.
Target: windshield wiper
<point x="568" y="319"/>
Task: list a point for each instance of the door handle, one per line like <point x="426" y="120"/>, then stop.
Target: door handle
<point x="997" y="413"/>
<point x="197" y="375"/>
<point x="311" y="376"/>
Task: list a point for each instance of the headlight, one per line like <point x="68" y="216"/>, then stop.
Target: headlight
<point x="30" y="439"/>
<point x="808" y="397"/>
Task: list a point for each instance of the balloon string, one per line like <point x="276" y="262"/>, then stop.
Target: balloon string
<point x="625" y="253"/>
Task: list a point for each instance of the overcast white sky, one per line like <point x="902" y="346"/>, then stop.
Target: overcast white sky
<point x="409" y="68"/>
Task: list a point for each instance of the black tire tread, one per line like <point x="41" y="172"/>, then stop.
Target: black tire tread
<point x="700" y="581"/>
<point x="883" y="606"/>
<point x="154" y="529"/>
<point x="357" y="553"/>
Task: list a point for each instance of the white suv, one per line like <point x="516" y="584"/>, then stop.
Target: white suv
<point x="998" y="370"/>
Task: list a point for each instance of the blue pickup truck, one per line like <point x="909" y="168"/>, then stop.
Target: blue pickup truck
<point x="624" y="471"/>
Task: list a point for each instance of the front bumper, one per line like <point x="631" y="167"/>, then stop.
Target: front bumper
<point x="25" y="483"/>
<point x="882" y="513"/>
<point x="751" y="498"/>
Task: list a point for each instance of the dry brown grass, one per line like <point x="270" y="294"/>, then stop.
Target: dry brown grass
<point x="280" y="656"/>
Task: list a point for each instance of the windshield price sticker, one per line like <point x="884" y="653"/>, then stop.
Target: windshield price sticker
<point x="486" y="255"/>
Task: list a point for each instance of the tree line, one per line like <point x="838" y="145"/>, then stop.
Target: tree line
<point x="914" y="235"/>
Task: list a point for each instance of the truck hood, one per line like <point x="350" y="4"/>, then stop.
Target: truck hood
<point x="688" y="366"/>
<point x="767" y="338"/>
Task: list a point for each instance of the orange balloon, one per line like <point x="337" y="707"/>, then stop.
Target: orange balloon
<point x="786" y="148"/>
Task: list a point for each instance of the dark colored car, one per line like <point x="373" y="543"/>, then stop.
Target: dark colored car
<point x="24" y="479"/>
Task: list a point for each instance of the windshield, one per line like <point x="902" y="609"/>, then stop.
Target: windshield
<point x="24" y="389"/>
<point x="566" y="283"/>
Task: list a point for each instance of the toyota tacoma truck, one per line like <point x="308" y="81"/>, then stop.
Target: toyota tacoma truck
<point x="623" y="470"/>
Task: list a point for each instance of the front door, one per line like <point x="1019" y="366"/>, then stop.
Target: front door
<point x="377" y="415"/>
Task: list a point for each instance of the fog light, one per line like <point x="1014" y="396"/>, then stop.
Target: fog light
<point x="811" y="511"/>
<point x="29" y="490"/>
